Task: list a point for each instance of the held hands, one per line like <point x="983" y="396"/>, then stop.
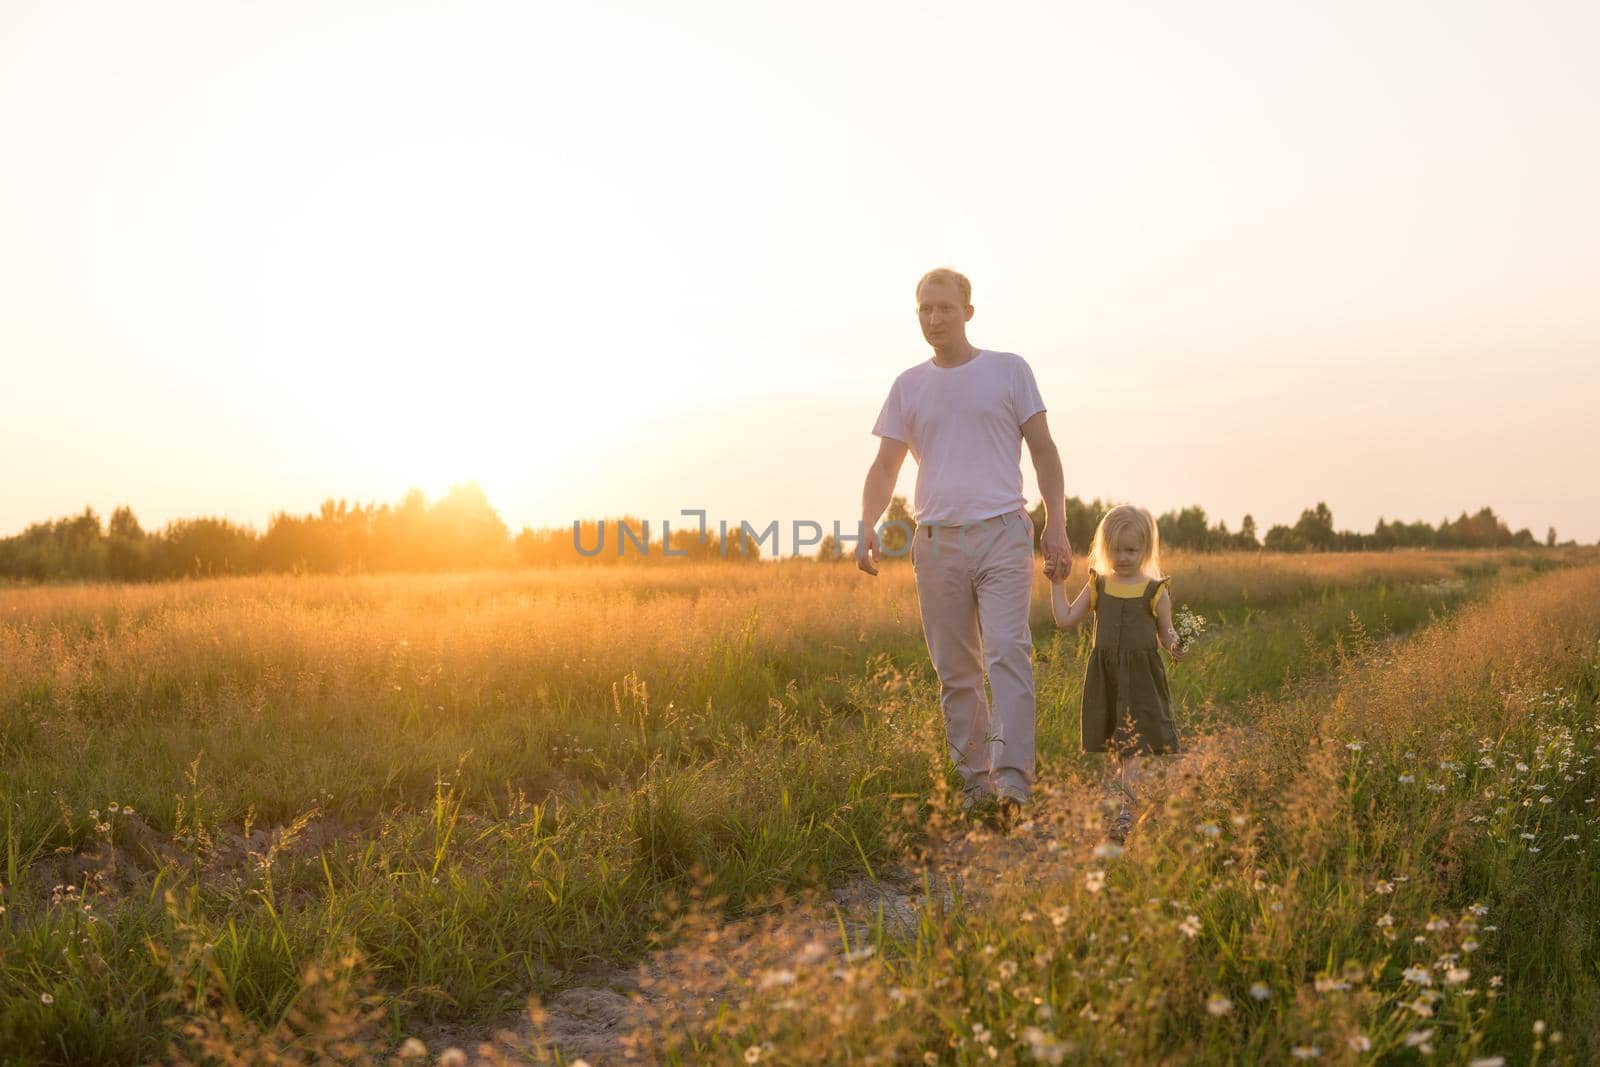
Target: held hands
<point x="868" y="551"/>
<point x="1057" y="552"/>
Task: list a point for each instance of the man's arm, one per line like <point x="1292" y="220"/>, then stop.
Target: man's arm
<point x="875" y="494"/>
<point x="1053" y="487"/>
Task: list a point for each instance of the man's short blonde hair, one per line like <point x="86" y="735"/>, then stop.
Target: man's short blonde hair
<point x="945" y="274"/>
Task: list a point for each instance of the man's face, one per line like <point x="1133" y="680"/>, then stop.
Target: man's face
<point x="942" y="314"/>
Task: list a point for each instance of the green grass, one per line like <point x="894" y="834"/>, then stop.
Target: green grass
<point x="1400" y="862"/>
<point x="484" y="822"/>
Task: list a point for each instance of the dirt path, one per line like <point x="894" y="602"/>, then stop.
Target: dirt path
<point x="628" y="1016"/>
<point x="634" y="1016"/>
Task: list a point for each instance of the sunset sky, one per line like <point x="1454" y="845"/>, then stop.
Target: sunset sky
<point x="606" y="257"/>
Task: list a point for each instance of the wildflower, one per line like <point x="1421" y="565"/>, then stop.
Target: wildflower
<point x="452" y="1057"/>
<point x="1359" y="1043"/>
<point x="1437" y="787"/>
<point x="1421" y="1006"/>
<point x="1107" y="850"/>
<point x="1209" y="829"/>
<point x="1538" y="1027"/>
<point x="1058" y="916"/>
<point x="1354" y="746"/>
<point x="1305" y="1052"/>
<point x="412" y="1049"/>
<point x="1469" y="945"/>
<point x="1407" y="779"/>
<point x="1479" y="910"/>
<point x="1456" y="975"/>
<point x="1386" y="919"/>
<point x="1008" y="969"/>
<point x="752" y="1054"/>
<point x="1190" y="927"/>
<point x="1418" y="976"/>
<point x="1260" y="990"/>
<point x="776" y="977"/>
<point x="859" y="954"/>
<point x="46" y="999"/>
<point x="1383" y="887"/>
<point x="1188" y="627"/>
<point x="1436" y="924"/>
<point x="1217" y="1004"/>
<point x="1487" y="1061"/>
<point x="1419" y="1037"/>
<point x="1095" y="880"/>
<point x="1324" y="984"/>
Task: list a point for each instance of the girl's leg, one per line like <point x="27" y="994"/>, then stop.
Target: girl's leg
<point x="1131" y="768"/>
<point x="1130" y="774"/>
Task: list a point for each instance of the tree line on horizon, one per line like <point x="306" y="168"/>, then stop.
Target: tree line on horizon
<point x="1191" y="529"/>
<point x="461" y="531"/>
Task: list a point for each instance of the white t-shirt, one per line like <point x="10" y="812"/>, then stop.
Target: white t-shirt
<point x="964" y="426"/>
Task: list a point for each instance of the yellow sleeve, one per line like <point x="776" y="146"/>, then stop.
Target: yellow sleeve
<point x="1094" y="590"/>
<point x="1155" y="598"/>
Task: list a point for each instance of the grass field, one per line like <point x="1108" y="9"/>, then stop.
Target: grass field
<point x="442" y="794"/>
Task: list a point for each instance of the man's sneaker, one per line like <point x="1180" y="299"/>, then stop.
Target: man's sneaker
<point x="986" y="809"/>
<point x="1008" y="813"/>
<point x="1121" y="823"/>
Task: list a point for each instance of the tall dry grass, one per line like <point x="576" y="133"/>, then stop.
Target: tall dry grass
<point x="1400" y="867"/>
<point x="481" y="784"/>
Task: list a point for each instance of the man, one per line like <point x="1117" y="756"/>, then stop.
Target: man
<point x="964" y="414"/>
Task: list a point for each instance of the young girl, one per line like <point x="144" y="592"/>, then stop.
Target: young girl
<point x="1126" y="704"/>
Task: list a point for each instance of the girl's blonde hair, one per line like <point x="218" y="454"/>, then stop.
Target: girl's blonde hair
<point x="1127" y="517"/>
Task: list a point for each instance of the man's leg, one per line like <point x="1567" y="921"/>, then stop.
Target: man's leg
<point x="950" y="624"/>
<point x="1005" y="593"/>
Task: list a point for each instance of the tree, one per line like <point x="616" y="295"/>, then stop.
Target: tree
<point x="1284" y="539"/>
<point x="1247" y="533"/>
<point x="1315" y="527"/>
<point x="895" y="541"/>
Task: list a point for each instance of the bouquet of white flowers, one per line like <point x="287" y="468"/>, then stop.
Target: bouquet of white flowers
<point x="1189" y="627"/>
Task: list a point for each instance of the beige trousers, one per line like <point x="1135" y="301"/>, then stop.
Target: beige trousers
<point x="974" y="586"/>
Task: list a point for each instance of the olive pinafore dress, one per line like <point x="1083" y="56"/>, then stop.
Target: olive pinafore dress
<point x="1127" y="707"/>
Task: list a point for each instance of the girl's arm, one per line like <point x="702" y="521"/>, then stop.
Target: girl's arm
<point x="1164" y="628"/>
<point x="1068" y="615"/>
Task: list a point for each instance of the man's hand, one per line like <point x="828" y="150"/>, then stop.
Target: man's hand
<point x="868" y="551"/>
<point x="1057" y="550"/>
